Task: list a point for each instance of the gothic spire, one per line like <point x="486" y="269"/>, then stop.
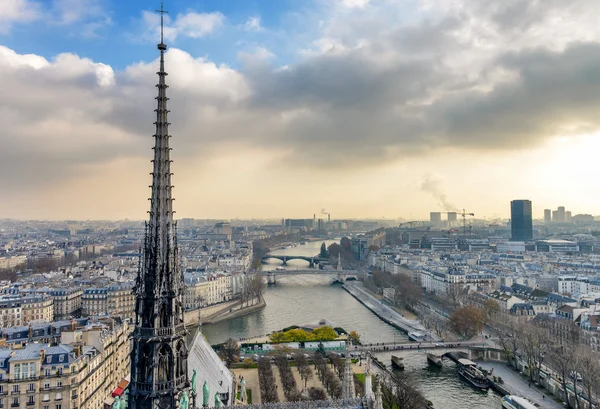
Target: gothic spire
<point x="159" y="354"/>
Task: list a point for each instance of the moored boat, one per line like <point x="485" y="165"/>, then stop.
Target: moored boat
<point x="468" y="370"/>
<point x="516" y="402"/>
<point x="434" y="359"/>
<point x="397" y="362"/>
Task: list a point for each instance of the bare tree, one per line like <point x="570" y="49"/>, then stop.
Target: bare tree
<point x="399" y="392"/>
<point x="562" y="362"/>
<point x="230" y="352"/>
<point x="534" y="343"/>
<point x="317" y="394"/>
<point x="589" y="368"/>
<point x="508" y="337"/>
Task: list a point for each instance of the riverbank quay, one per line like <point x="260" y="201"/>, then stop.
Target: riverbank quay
<point x="517" y="385"/>
<point x="220" y="312"/>
<point x="234" y="312"/>
<point x="387" y="313"/>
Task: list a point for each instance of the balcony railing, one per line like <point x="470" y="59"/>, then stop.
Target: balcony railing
<point x="160" y="332"/>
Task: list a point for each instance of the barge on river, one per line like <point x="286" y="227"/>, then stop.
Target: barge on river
<point x="468" y="370"/>
<point x="516" y="402"/>
<point x="397" y="362"/>
<point x="433" y="359"/>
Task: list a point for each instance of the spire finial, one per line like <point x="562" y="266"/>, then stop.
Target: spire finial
<point x="162" y="12"/>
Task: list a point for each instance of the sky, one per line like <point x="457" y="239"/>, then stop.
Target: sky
<point x="281" y="108"/>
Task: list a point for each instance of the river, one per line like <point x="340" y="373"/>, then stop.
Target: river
<point x="306" y="299"/>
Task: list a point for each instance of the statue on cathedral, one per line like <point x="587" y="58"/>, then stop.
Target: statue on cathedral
<point x="218" y="402"/>
<point x="194" y="383"/>
<point x="116" y="404"/>
<point x="184" y="401"/>
<point x="243" y="393"/>
<point x="123" y="403"/>
<point x="205" y="394"/>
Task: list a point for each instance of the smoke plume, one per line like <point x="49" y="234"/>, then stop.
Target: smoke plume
<point x="432" y="184"/>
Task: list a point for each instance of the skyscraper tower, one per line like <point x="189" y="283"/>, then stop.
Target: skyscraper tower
<point x="159" y="352"/>
<point x="521" y="220"/>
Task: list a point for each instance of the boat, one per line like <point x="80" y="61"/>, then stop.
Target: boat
<point x="416" y="336"/>
<point x="468" y="370"/>
<point x="434" y="359"/>
<point x="302" y="243"/>
<point x="397" y="362"/>
<point x="516" y="402"/>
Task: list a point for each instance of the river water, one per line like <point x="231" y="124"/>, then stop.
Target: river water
<point x="307" y="299"/>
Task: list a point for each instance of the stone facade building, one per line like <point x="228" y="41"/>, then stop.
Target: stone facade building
<point x="67" y="302"/>
<point x="79" y="373"/>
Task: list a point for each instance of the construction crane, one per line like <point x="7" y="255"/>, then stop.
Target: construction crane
<point x="452" y="231"/>
<point x="464" y="215"/>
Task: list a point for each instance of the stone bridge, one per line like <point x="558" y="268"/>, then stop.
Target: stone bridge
<point x="311" y="260"/>
<point x="339" y="275"/>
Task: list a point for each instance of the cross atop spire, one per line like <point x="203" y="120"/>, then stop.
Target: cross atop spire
<point x="162" y="46"/>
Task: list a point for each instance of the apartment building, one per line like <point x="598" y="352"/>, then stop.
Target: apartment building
<point x="80" y="374"/>
<point x="121" y="300"/>
<point x="10" y="312"/>
<point x="94" y="301"/>
<point x="67" y="302"/>
<point x="12" y="262"/>
<point x="37" y="308"/>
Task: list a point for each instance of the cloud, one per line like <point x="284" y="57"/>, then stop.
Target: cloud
<point x="17" y="11"/>
<point x="253" y="24"/>
<point x="191" y="25"/>
<point x="460" y="77"/>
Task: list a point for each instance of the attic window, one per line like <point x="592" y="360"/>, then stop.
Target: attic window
<point x="49" y="359"/>
<point x="61" y="358"/>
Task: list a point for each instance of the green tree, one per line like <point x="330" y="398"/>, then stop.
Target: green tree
<point x="323" y="253"/>
<point x="325" y="333"/>
<point x="277" y="337"/>
<point x="299" y="335"/>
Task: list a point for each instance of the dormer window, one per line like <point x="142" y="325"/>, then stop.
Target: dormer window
<point x="61" y="358"/>
<point x="49" y="359"/>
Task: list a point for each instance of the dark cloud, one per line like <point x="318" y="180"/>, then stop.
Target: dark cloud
<point x="388" y="93"/>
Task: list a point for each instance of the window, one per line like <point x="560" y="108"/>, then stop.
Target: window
<point x="45" y="407"/>
<point x="32" y="369"/>
<point x="59" y="371"/>
<point x="25" y="373"/>
<point x="45" y="397"/>
<point x="47" y="372"/>
<point x="15" y="388"/>
<point x="58" y="406"/>
<point x="49" y="359"/>
<point x="31" y="387"/>
<point x="47" y="385"/>
<point x="17" y="371"/>
<point x="31" y="401"/>
<point x="16" y="402"/>
<point x="58" y="396"/>
<point x="59" y="382"/>
<point x="61" y="358"/>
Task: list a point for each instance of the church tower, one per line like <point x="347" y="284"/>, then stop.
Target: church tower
<point x="159" y="352"/>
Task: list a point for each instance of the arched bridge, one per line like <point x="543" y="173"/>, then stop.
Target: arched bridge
<point x="339" y="275"/>
<point x="311" y="260"/>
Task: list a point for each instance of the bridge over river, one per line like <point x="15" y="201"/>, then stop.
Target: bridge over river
<point x="339" y="275"/>
<point x="311" y="260"/>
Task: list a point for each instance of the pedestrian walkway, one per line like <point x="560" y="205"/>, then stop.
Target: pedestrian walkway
<point x="386" y="313"/>
<point x="519" y="386"/>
